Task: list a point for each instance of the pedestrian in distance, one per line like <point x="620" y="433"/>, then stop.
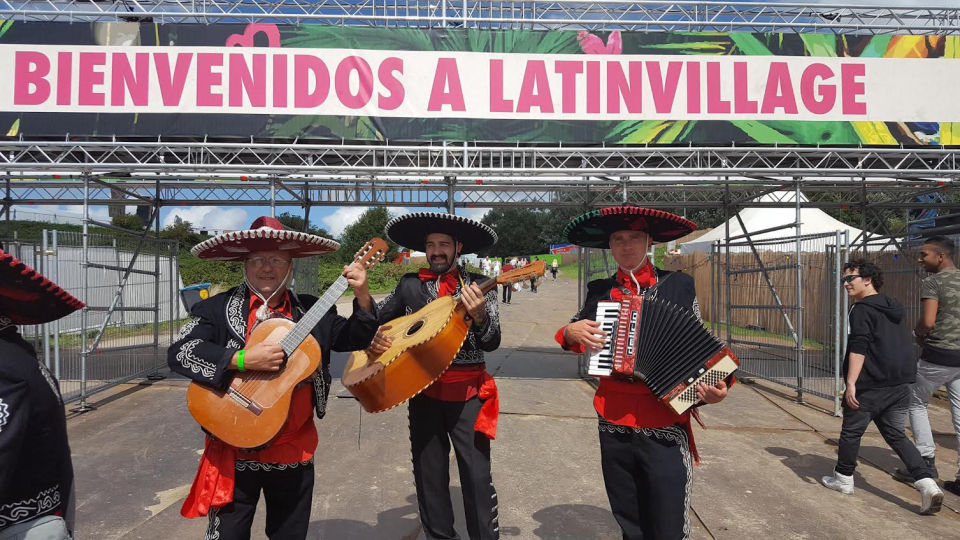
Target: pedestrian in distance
<point x="879" y="368"/>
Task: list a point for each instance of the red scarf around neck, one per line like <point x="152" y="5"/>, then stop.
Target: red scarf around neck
<point x="448" y="280"/>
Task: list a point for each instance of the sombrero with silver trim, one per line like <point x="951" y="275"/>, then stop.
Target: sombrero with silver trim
<point x="265" y="234"/>
<point x="411" y="230"/>
<point x="593" y="229"/>
<point x="28" y="297"/>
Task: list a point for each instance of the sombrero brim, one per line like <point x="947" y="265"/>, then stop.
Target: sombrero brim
<point x="411" y="230"/>
<point x="28" y="297"/>
<point x="593" y="229"/>
<point x="235" y="245"/>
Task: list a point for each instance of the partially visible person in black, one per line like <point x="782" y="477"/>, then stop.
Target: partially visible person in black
<point x="880" y="366"/>
<point x="36" y="474"/>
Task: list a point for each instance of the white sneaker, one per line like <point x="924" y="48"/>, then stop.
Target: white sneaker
<point x="931" y="496"/>
<point x="841" y="482"/>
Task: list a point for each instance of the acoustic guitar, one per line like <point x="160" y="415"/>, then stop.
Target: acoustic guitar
<point x="250" y="413"/>
<point x="424" y="345"/>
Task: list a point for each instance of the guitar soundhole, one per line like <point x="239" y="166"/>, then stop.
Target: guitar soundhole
<point x="415" y="328"/>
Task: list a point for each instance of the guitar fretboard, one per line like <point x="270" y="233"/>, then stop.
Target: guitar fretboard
<point x="302" y="329"/>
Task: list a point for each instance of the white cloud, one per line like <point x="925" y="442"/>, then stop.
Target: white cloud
<point x="336" y="222"/>
<point x="473" y="213"/>
<point x="209" y="217"/>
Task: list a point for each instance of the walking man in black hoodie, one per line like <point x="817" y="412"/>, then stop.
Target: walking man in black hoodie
<point x="879" y="366"/>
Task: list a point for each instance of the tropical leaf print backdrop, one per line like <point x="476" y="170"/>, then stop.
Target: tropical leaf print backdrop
<point x="364" y="128"/>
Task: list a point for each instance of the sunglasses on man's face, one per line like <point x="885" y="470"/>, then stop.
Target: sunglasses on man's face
<point x="848" y="279"/>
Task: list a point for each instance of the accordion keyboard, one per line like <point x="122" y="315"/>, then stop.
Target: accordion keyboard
<point x="601" y="362"/>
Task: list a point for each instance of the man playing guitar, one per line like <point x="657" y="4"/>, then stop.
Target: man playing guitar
<point x="210" y="349"/>
<point x="461" y="406"/>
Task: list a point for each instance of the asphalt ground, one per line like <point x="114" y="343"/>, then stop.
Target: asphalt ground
<point x="763" y="455"/>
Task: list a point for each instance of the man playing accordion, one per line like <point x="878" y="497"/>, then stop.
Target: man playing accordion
<point x="646" y="448"/>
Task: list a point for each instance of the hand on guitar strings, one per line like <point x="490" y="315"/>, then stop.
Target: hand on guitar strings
<point x="712" y="394"/>
<point x="586" y="333"/>
<point x="380" y="343"/>
<point x="474" y="302"/>
<point x="357" y="279"/>
<point x="260" y="357"/>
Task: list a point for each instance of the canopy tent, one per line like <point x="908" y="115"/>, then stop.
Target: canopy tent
<point x="812" y="221"/>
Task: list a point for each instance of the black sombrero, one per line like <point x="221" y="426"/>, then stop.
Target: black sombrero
<point x="265" y="234"/>
<point x="594" y="228"/>
<point x="28" y="297"/>
<point x="411" y="230"/>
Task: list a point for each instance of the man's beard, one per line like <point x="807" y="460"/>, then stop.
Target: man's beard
<point x="441" y="267"/>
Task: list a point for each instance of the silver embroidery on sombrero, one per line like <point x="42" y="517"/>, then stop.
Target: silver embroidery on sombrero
<point x="5" y="322"/>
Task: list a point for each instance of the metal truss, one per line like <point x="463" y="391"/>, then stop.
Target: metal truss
<point x="641" y="15"/>
<point x="875" y="195"/>
<point x="231" y="159"/>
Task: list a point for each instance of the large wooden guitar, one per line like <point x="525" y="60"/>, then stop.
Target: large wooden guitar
<point x="424" y="345"/>
<point x="254" y="407"/>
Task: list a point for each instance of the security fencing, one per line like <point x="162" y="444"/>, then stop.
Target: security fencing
<point x="133" y="310"/>
<point x="776" y="301"/>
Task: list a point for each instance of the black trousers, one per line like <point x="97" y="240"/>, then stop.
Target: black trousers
<point x="287" y="490"/>
<point x="433" y="425"/>
<point x="887" y="408"/>
<point x="507" y="293"/>
<point x="647" y="476"/>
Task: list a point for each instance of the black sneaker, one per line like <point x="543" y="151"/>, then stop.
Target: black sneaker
<point x="903" y="475"/>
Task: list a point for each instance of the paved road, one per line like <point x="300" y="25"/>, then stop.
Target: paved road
<point x="762" y="456"/>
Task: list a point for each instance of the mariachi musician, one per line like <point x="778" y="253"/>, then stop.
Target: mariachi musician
<point x="211" y="346"/>
<point x="36" y="474"/>
<point x="645" y="447"/>
<point x="461" y="406"/>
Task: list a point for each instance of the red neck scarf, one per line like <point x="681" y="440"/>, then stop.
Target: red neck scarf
<point x="447" y="284"/>
<point x="645" y="276"/>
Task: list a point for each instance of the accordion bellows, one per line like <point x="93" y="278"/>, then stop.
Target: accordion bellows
<point x="663" y="345"/>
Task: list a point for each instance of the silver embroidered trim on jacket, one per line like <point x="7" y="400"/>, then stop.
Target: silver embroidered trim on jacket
<point x="20" y="511"/>
<point x="249" y="465"/>
<point x="187" y="328"/>
<point x="5" y="322"/>
<point x="193" y="362"/>
<point x="4" y="414"/>
<point x="234" y="312"/>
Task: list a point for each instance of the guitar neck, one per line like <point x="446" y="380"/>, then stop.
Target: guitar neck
<point x="302" y="329"/>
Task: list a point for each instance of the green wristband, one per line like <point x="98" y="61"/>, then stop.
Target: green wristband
<point x="240" y="354"/>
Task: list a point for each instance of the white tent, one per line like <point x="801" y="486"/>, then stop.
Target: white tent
<point x="812" y="221"/>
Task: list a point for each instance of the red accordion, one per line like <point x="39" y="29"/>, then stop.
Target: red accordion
<point x="663" y="345"/>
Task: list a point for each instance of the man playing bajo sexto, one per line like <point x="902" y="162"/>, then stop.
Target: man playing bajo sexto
<point x="645" y="446"/>
<point x="461" y="406"/>
<point x="211" y="351"/>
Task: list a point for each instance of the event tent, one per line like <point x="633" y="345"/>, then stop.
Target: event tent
<point x="812" y="221"/>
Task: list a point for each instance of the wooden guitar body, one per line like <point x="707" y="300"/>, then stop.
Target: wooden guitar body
<point x="255" y="406"/>
<point x="424" y="345"/>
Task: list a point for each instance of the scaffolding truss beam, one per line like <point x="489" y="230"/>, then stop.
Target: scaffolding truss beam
<point x="231" y="158"/>
<point x="641" y="15"/>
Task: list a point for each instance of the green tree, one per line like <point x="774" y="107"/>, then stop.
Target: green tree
<point x="181" y="231"/>
<point x="370" y="224"/>
<point x="130" y="222"/>
<point x="519" y="231"/>
<point x="297" y="223"/>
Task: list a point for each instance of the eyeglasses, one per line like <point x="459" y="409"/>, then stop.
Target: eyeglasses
<point x="848" y="279"/>
<point x="276" y="262"/>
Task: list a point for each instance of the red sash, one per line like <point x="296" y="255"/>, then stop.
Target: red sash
<point x="460" y="383"/>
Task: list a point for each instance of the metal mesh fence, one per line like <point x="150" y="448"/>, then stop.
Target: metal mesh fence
<point x="133" y="307"/>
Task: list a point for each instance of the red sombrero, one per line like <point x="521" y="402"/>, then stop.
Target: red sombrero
<point x="265" y="234"/>
<point x="27" y="297"/>
<point x="594" y="228"/>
